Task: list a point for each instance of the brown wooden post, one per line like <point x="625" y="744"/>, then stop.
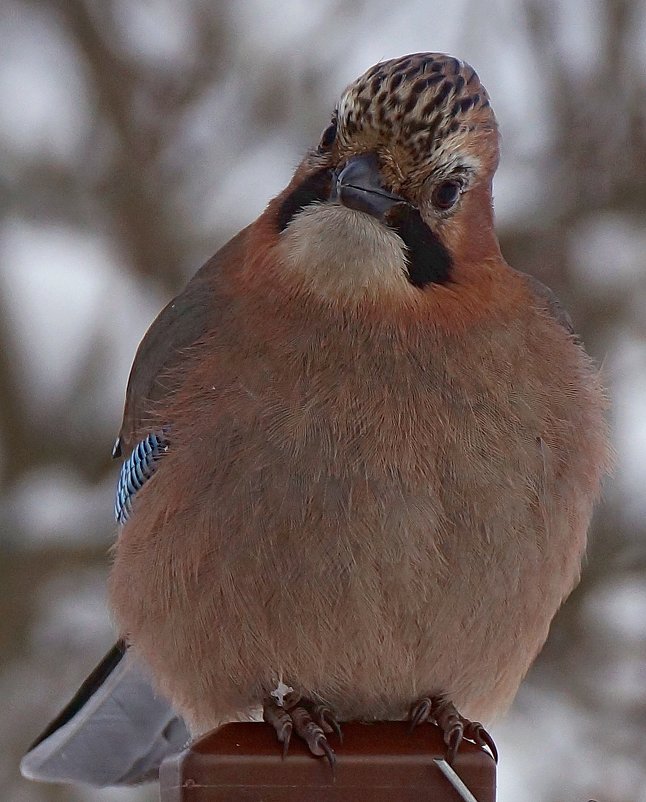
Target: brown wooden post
<point x="379" y="762"/>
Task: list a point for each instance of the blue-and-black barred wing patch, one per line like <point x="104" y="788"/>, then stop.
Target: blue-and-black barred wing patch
<point x="136" y="471"/>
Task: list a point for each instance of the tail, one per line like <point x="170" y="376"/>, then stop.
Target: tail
<point x="115" y="731"/>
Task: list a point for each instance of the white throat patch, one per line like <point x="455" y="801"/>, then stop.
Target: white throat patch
<point x="342" y="253"/>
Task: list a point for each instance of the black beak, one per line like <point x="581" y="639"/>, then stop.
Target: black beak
<point x="357" y="185"/>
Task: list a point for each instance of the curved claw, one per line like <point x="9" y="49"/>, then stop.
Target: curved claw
<point x="328" y="721"/>
<point x="333" y="726"/>
<point x="281" y="722"/>
<point x="329" y="752"/>
<point x="453" y="739"/>
<point x="452" y="725"/>
<point x="479" y="735"/>
<point x="420" y="712"/>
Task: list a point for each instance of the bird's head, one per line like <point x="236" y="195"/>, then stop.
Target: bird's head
<point x="396" y="197"/>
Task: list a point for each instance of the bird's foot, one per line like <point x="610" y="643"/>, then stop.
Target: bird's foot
<point x="311" y="721"/>
<point x="454" y="726"/>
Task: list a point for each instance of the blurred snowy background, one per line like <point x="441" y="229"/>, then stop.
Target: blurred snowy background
<point x="136" y="138"/>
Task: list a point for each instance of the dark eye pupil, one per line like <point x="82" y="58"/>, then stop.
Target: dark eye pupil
<point x="446" y="194"/>
<point x="328" y="136"/>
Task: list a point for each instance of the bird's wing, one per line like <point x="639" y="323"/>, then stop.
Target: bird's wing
<point x="115" y="731"/>
<point x="180" y="324"/>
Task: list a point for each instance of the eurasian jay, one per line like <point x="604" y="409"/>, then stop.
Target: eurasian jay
<point x="361" y="450"/>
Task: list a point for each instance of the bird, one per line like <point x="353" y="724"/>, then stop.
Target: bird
<point x="361" y="452"/>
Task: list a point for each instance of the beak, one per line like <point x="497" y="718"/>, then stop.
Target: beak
<point x="357" y="185"/>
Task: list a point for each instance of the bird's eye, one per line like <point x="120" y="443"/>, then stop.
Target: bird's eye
<point x="327" y="137"/>
<point x="446" y="194"/>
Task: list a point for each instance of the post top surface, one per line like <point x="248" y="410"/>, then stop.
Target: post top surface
<point x="376" y="761"/>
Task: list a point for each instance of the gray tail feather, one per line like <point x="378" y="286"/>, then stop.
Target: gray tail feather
<point x="115" y="731"/>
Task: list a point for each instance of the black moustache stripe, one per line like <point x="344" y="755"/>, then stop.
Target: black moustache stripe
<point x="427" y="259"/>
<point x="315" y="187"/>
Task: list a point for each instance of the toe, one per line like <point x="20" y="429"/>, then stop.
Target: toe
<point x="281" y="721"/>
<point x="420" y="712"/>
<point x="312" y="733"/>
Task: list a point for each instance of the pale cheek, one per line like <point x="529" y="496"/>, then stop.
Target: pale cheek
<point x="341" y="253"/>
